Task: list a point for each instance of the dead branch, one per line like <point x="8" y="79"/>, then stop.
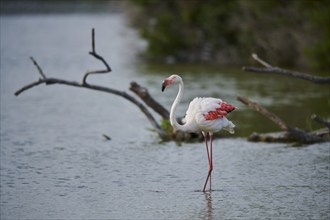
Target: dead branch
<point x="271" y="69"/>
<point x="320" y="120"/>
<point x="38" y="67"/>
<point x="97" y="56"/>
<point x="52" y="81"/>
<point x="143" y="93"/>
<point x="284" y="136"/>
<point x="278" y="121"/>
<point x="290" y="133"/>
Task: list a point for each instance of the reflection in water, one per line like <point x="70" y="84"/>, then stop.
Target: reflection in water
<point x="208" y="208"/>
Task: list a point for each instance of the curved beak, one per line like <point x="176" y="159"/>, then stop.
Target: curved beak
<point x="163" y="86"/>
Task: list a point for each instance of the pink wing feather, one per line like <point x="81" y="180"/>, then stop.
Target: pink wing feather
<point x="220" y="111"/>
<point x="208" y="114"/>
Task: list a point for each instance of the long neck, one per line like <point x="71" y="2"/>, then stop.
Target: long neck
<point x="177" y="100"/>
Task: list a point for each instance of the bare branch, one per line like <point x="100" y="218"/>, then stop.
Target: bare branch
<point x="278" y="121"/>
<point x="292" y="133"/>
<point x="143" y="93"/>
<point x="271" y="69"/>
<point x="29" y="86"/>
<point x="50" y="81"/>
<point x="262" y="62"/>
<point x="93" y="40"/>
<point x="97" y="56"/>
<point x="123" y="94"/>
<point x="38" y="67"/>
<point x="321" y="121"/>
<point x="284" y="136"/>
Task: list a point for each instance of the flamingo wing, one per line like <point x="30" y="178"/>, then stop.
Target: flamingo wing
<point x="208" y="114"/>
<point x="217" y="109"/>
<point x="209" y="108"/>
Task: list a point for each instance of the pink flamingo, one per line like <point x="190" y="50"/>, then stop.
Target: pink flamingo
<point x="206" y="115"/>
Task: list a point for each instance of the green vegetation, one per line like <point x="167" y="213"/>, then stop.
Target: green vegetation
<point x="166" y="126"/>
<point x="287" y="33"/>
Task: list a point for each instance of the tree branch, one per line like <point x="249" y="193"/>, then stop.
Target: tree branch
<point x="271" y="69"/>
<point x="38" y="67"/>
<point x="51" y="81"/>
<point x="262" y="62"/>
<point x="123" y="94"/>
<point x="321" y="121"/>
<point x="278" y="121"/>
<point x="143" y="93"/>
<point x="292" y="133"/>
<point x="97" y="56"/>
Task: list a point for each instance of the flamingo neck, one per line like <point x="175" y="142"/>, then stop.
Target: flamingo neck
<point x="176" y="102"/>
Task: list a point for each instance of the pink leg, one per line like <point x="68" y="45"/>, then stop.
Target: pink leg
<point x="209" y="157"/>
<point x="207" y="147"/>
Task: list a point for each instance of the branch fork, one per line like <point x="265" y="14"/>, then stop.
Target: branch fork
<point x="97" y="56"/>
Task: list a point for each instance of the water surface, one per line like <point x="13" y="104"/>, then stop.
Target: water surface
<point x="55" y="164"/>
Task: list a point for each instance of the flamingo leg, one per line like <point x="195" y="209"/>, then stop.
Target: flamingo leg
<point x="209" y="157"/>
<point x="207" y="147"/>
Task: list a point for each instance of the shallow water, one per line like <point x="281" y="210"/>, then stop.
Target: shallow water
<point x="55" y="163"/>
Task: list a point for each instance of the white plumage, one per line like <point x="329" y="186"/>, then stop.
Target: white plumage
<point x="199" y="107"/>
<point x="206" y="115"/>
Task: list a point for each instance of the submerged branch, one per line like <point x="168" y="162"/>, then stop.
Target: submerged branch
<point x="290" y="133"/>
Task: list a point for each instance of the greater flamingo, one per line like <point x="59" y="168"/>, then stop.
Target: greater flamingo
<point x="206" y="115"/>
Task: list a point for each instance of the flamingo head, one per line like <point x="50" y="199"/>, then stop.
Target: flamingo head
<point x="170" y="80"/>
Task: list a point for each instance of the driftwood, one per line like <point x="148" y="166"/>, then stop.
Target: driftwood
<point x="278" y="121"/>
<point x="289" y="134"/>
<point x="51" y="81"/>
<point x="271" y="69"/>
<point x="321" y="121"/>
<point x="284" y="136"/>
<point x="143" y="93"/>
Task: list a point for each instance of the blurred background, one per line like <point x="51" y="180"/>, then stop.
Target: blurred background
<point x="288" y="33"/>
<point x="209" y="39"/>
<point x="55" y="163"/>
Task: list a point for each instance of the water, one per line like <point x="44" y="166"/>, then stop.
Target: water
<point x="55" y="164"/>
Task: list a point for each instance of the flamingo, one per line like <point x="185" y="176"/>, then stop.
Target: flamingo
<point x="206" y="115"/>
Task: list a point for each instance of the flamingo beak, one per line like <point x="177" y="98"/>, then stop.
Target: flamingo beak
<point x="163" y="86"/>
